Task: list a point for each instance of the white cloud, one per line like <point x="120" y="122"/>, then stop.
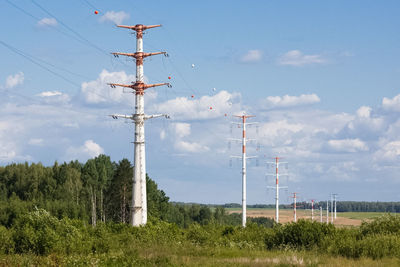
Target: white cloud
<point x="49" y="93"/>
<point x="348" y="145"/>
<point x="162" y="134"/>
<point x="290" y="101"/>
<point x="35" y="141"/>
<point x="116" y="17"/>
<point x="391" y="104"/>
<point x="182" y="129"/>
<point x="54" y="97"/>
<point x="14" y="80"/>
<point x="44" y="22"/>
<point x="252" y="56"/>
<point x="89" y="149"/>
<point x="388" y="152"/>
<point x="364" y="112"/>
<point x="98" y="91"/>
<point x="190" y="147"/>
<point x="297" y="58"/>
<point x="205" y="107"/>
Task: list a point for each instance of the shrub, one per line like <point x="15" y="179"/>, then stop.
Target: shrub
<point x="40" y="233"/>
<point x="302" y="234"/>
<point x="6" y="242"/>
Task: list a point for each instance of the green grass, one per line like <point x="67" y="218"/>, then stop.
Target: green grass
<point x="362" y="215"/>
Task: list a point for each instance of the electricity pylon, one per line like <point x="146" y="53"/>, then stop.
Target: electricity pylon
<point x="277" y="163"/>
<point x="294" y="206"/>
<point x="139" y="194"/>
<point x="334" y="204"/>
<point x="243" y="157"/>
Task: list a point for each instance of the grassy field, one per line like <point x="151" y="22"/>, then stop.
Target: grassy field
<point x="192" y="256"/>
<point x="286" y="215"/>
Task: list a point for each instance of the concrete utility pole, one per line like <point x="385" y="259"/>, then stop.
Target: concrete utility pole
<point x="277" y="163"/>
<point x="334" y="203"/>
<point x="320" y="214"/>
<point x="139" y="194"/>
<point x="312" y="209"/>
<point x="243" y="157"/>
<point x="327" y="211"/>
<point x="331" y="208"/>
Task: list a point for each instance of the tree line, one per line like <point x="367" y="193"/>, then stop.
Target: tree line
<point x="97" y="190"/>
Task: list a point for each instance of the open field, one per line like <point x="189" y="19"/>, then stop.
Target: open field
<point x="285" y="215"/>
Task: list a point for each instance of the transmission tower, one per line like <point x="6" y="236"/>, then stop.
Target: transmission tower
<point x="294" y="206"/>
<point x="312" y="209"/>
<point x="277" y="163"/>
<point x="320" y="214"/>
<point x="334" y="204"/>
<point x="327" y="211"/>
<point x="139" y="194"/>
<point x="243" y="157"/>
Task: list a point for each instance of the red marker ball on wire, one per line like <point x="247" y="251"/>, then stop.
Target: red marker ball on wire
<point x="96" y="12"/>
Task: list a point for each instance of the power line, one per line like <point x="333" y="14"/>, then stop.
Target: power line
<point x="38" y="64"/>
<point x="69" y="28"/>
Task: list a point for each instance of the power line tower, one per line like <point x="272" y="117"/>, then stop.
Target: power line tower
<point x="294" y="206"/>
<point x="327" y="211"/>
<point x="334" y="204"/>
<point x="312" y="210"/>
<point x="139" y="194"/>
<point x="331" y="208"/>
<point x="277" y="163"/>
<point x="243" y="157"/>
<point x="320" y="214"/>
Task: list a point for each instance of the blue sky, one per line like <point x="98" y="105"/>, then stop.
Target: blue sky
<point x="321" y="77"/>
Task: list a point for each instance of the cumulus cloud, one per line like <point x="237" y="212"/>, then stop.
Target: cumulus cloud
<point x="44" y="22"/>
<point x="388" y="152"/>
<point x="252" y="56"/>
<point x="348" y="145"/>
<point x="182" y="129"/>
<point x="194" y="147"/>
<point x="14" y="80"/>
<point x="297" y="58"/>
<point x="89" y="149"/>
<point x="391" y="104"/>
<point x="205" y="107"/>
<point x="54" y="97"/>
<point x="35" y="141"/>
<point x="113" y="16"/>
<point x="49" y="93"/>
<point x="97" y="91"/>
<point x="290" y="101"/>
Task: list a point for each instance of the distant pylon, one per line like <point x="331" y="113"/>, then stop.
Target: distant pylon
<point x="139" y="192"/>
<point x="334" y="204"/>
<point x="243" y="157"/>
<point x="294" y="206"/>
<point x="327" y="211"/>
<point x="276" y="187"/>
<point x="320" y="214"/>
<point x="312" y="209"/>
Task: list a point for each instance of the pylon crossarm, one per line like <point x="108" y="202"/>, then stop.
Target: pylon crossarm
<point x="139" y="27"/>
<point x="116" y="116"/>
<point x="156" y="84"/>
<point x="234" y="139"/>
<point x="137" y="54"/>
<point x="113" y="85"/>
<point x="236" y="157"/>
<point x="251" y="157"/>
<point x="156" y="116"/>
